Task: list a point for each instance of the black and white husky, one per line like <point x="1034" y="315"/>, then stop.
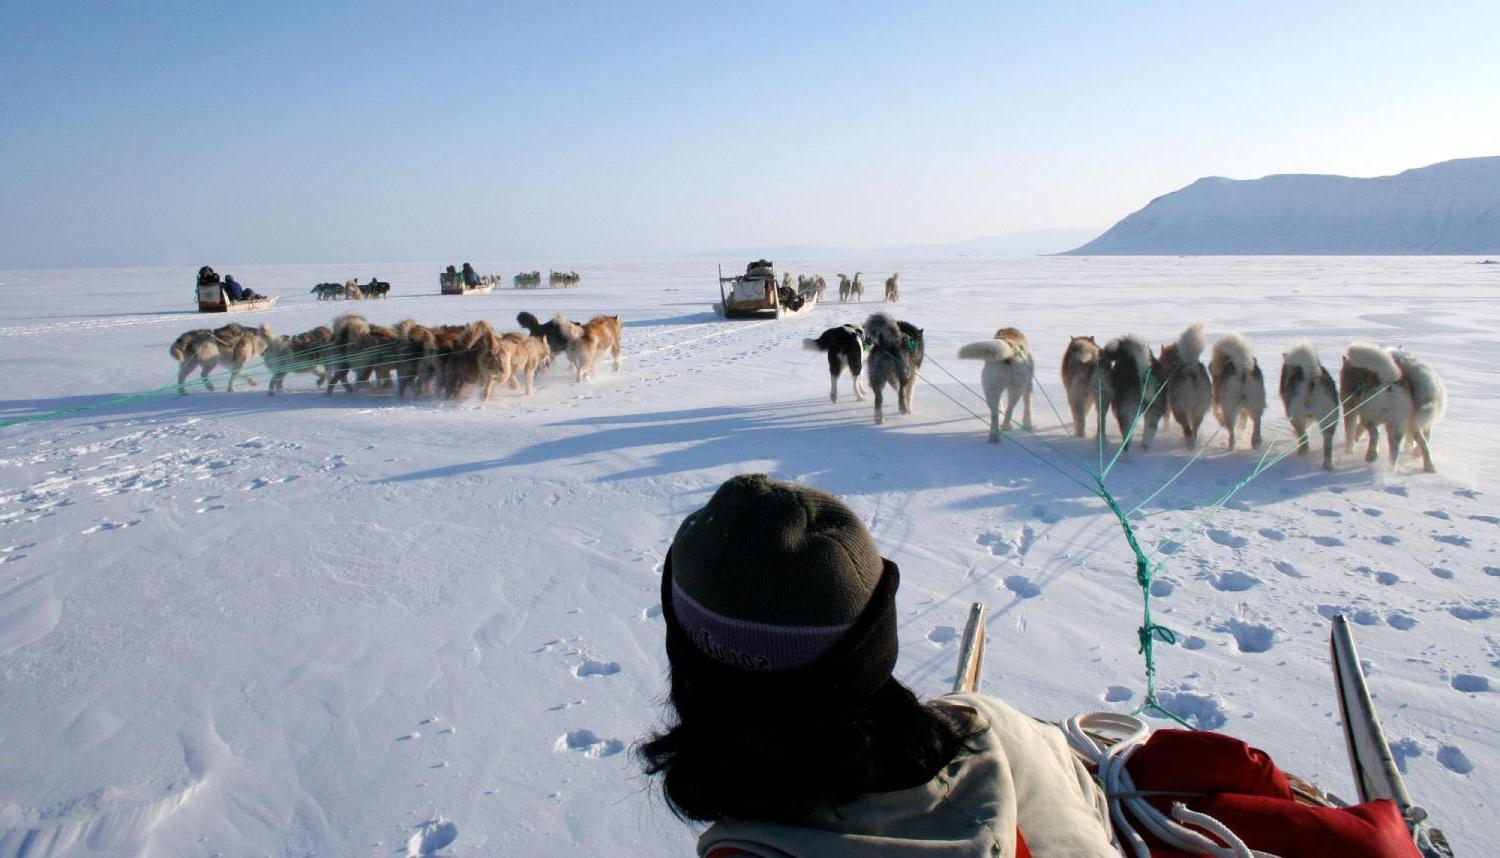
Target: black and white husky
<point x="1390" y="388"/>
<point x="1008" y="368"/>
<point x="845" y="347"/>
<point x="1139" y="402"/>
<point x="896" y="352"/>
<point x="1239" y="387"/>
<point x="1311" y="400"/>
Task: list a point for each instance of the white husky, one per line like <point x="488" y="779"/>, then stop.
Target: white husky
<point x="1239" y="386"/>
<point x="1311" y="400"/>
<point x="1008" y="369"/>
<point x="1370" y="386"/>
<point x="1429" y="400"/>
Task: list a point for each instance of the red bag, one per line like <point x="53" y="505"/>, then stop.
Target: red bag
<point x="1252" y="797"/>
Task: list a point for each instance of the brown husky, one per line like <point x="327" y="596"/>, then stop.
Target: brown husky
<point x="203" y="349"/>
<point x="587" y="340"/>
<point x="1086" y="378"/>
<point x="529" y="354"/>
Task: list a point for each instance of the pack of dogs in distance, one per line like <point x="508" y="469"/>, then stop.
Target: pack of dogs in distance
<point x="1378" y="388"/>
<point x="441" y="361"/>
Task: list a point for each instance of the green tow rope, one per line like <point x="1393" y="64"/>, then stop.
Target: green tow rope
<point x="1146" y="568"/>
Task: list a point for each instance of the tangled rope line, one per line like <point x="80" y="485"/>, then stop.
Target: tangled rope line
<point x="324" y="356"/>
<point x="1147" y="566"/>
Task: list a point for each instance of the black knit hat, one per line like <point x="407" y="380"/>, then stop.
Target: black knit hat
<point x="777" y="589"/>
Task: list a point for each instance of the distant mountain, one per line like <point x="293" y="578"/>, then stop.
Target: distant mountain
<point x="1452" y="207"/>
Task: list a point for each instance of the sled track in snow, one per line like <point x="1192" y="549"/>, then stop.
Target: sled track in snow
<point x="92" y="325"/>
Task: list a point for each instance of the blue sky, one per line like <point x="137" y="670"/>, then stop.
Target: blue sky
<point x="175" y="133"/>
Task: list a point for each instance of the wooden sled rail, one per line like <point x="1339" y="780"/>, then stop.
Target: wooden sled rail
<point x="971" y="653"/>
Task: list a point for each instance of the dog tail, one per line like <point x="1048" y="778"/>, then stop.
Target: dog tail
<point x="1304" y="357"/>
<point x="812" y="345"/>
<point x="1131" y="347"/>
<point x="1190" y="344"/>
<point x="350" y="326"/>
<point x="1232" y="353"/>
<point x="569" y="329"/>
<point x="1373" y="358"/>
<point x="990" y="351"/>
<point x="1428" y="396"/>
<point x="182" y="347"/>
<point x="476" y="332"/>
<point x="528" y="321"/>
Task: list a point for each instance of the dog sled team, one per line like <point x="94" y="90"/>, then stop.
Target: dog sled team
<point x="850" y="288"/>
<point x="443" y="361"/>
<point x="352" y="290"/>
<point x="1378" y="389"/>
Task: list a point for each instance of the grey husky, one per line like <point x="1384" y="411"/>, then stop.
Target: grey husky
<point x="1310" y="398"/>
<point x="1136" y="378"/>
<point x="308" y="351"/>
<point x="896" y="352"/>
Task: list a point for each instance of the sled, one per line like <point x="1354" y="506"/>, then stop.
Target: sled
<point x="755" y="295"/>
<point x="453" y="284"/>
<point x="1376" y="775"/>
<point x="213" y="299"/>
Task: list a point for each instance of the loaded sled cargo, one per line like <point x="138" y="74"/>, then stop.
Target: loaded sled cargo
<point x="452" y="283"/>
<point x="755" y="294"/>
<point x="213" y="299"/>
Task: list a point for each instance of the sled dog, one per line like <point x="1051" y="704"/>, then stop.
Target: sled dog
<point x="308" y="351"/>
<point x="892" y="289"/>
<point x="1188" y="390"/>
<point x="328" y="291"/>
<point x="845" y="287"/>
<point x="1085" y="377"/>
<point x="529" y="354"/>
<point x="1394" y="389"/>
<point x="1370" y="387"/>
<point x="202" y="349"/>
<point x="1138" y="395"/>
<point x="416" y="358"/>
<point x="587" y="340"/>
<point x="857" y="288"/>
<point x="1008" y="369"/>
<point x="1311" y="400"/>
<point x="896" y="352"/>
<point x="1239" y="387"/>
<point x="845" y="347"/>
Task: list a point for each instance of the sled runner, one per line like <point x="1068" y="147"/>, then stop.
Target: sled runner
<point x="1374" y="766"/>
<point x="755" y="294"/>
<point x="213" y="299"/>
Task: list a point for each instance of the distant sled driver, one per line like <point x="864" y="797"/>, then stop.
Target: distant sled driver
<point x="789" y="733"/>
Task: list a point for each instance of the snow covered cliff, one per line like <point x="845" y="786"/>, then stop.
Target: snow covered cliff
<point x="1452" y="207"/>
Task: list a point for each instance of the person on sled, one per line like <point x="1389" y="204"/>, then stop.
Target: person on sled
<point x="787" y="731"/>
<point x="471" y="277"/>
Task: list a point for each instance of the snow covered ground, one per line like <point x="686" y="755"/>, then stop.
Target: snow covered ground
<point x="232" y="624"/>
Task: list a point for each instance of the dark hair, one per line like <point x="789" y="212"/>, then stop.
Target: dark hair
<point x="779" y="764"/>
